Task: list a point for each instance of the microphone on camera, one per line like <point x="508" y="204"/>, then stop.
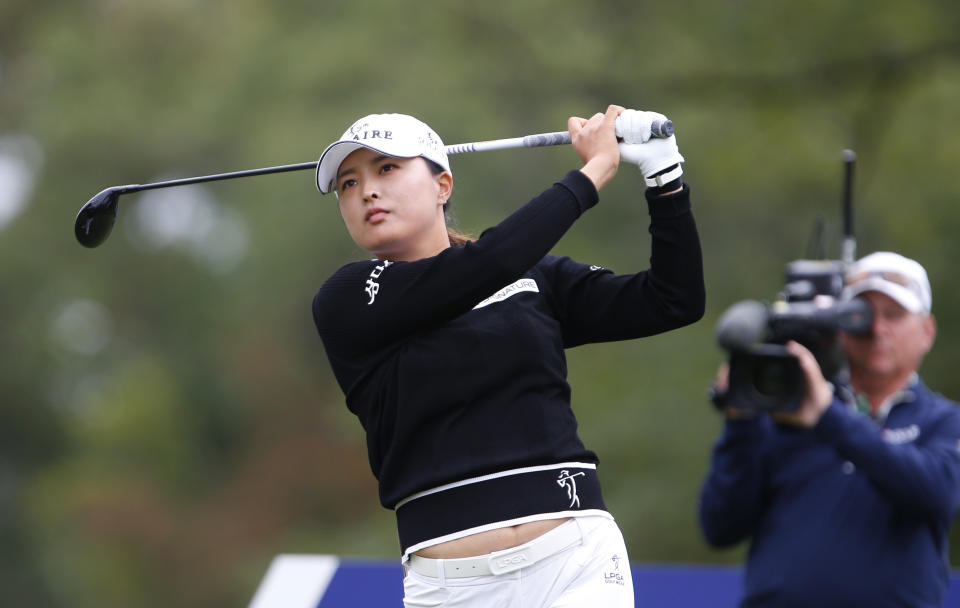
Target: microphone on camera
<point x="743" y="325"/>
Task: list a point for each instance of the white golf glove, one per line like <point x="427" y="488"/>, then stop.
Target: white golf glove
<point x="651" y="154"/>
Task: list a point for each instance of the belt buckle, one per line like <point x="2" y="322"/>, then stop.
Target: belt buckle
<point x="509" y="561"/>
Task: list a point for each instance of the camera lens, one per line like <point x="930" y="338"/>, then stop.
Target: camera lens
<point x="767" y="379"/>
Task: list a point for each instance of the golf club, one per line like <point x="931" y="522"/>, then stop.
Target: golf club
<point x="96" y="218"/>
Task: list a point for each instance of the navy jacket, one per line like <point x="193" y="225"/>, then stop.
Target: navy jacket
<point x="851" y="513"/>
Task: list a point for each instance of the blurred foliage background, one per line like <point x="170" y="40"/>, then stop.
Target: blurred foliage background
<point x="168" y="419"/>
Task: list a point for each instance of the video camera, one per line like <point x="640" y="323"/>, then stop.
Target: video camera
<point x="762" y="374"/>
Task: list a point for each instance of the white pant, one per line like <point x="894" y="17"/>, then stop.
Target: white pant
<point x="595" y="573"/>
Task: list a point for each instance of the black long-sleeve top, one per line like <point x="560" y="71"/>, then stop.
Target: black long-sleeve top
<point x="455" y="364"/>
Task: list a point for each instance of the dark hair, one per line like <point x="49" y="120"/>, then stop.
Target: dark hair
<point x="457" y="238"/>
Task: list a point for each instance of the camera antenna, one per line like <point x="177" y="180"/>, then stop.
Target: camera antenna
<point x="849" y="252"/>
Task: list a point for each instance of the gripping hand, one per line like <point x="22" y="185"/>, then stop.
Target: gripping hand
<point x="651" y="154"/>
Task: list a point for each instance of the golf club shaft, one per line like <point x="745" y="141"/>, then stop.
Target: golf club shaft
<point x="558" y="138"/>
<point x="215" y="177"/>
<point x="529" y="141"/>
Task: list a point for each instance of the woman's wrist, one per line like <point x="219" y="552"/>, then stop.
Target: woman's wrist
<point x="600" y="170"/>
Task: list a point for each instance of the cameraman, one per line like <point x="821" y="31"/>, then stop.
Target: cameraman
<point x="847" y="500"/>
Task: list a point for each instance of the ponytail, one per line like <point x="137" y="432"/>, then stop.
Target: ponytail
<point x="457" y="239"/>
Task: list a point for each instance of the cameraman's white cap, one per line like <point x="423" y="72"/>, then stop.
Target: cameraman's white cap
<point x="890" y="273"/>
<point x="389" y="134"/>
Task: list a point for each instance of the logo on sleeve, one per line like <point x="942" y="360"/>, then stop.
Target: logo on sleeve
<point x="373" y="288"/>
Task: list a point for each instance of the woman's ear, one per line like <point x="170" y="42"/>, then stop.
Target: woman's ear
<point x="444" y="187"/>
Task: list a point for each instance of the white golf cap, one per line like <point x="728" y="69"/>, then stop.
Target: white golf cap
<point x="901" y="278"/>
<point x="390" y="134"/>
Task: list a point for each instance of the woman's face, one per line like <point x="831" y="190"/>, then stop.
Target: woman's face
<point x="393" y="207"/>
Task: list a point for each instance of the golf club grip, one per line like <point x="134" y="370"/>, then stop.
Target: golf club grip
<point x="660" y="129"/>
<point x="560" y="138"/>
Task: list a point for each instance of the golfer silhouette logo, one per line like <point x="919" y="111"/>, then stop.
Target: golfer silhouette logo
<point x="566" y="480"/>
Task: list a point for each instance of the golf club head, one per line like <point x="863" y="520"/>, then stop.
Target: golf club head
<point x="95" y="219"/>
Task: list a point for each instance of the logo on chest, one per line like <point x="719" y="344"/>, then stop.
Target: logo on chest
<point x="510" y="290"/>
<point x="903" y="435"/>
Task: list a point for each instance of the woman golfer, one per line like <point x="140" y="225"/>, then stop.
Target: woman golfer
<point x="451" y="354"/>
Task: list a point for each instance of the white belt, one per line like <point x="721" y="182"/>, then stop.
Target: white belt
<point x="559" y="539"/>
